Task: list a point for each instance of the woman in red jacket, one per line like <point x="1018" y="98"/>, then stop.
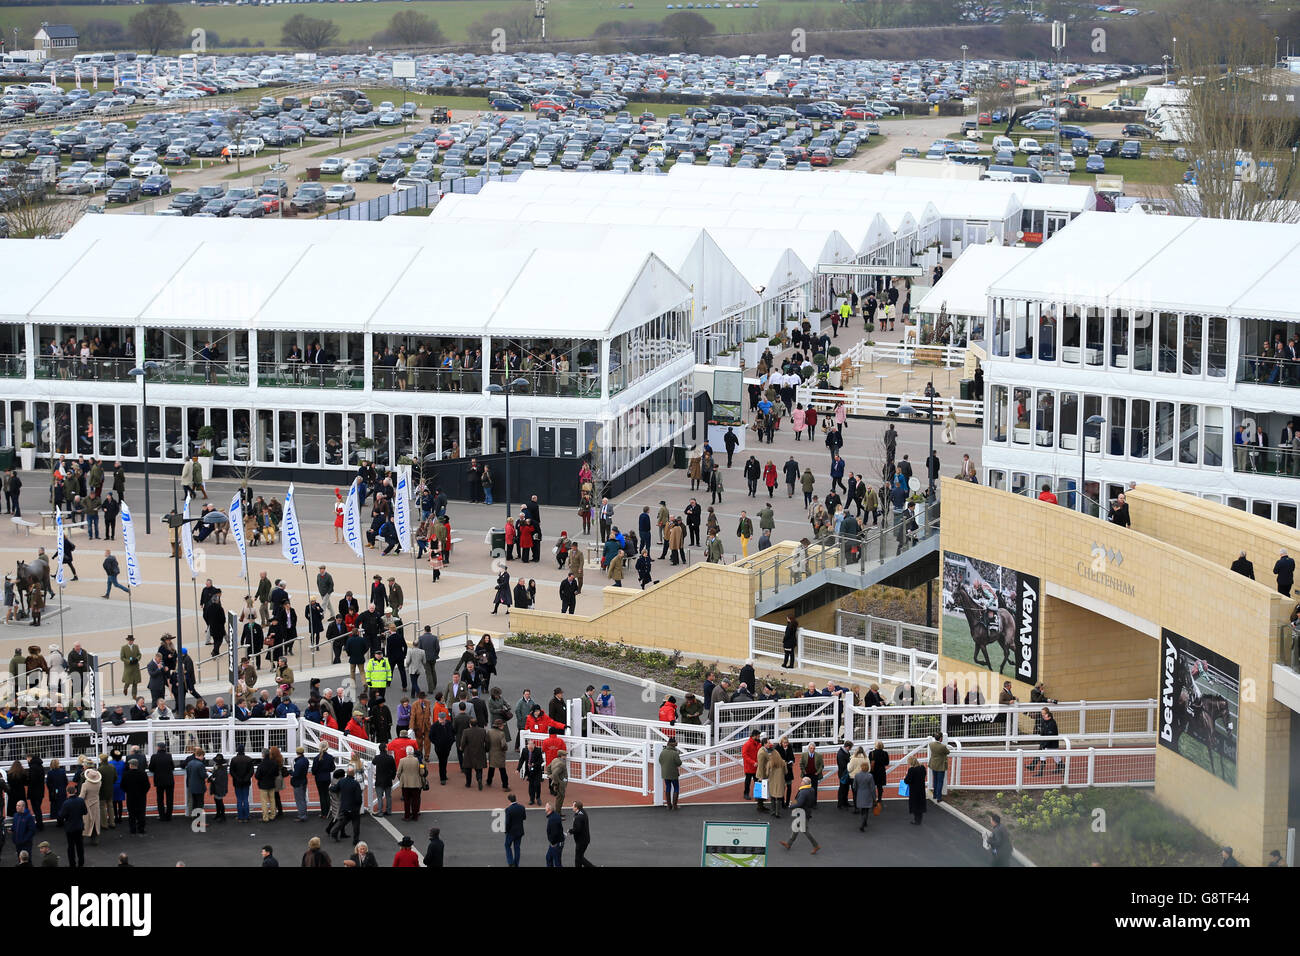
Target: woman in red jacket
<point x="526" y="532"/>
<point x="769" y="477"/>
<point x="510" y="540"/>
<point x="810" y="416"/>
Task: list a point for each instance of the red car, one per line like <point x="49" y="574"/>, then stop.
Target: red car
<point x="985" y="119"/>
<point x="270" y="204"/>
<point x="820" y="157"/>
<point x="860" y="113"/>
<point x="549" y="105"/>
<point x="445" y="141"/>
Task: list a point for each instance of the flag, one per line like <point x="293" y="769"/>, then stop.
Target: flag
<point x="352" y="519"/>
<point x="291" y="534"/>
<point x="187" y="539"/>
<point x="128" y="542"/>
<point x="58" y="552"/>
<point x="402" y="511"/>
<point x="237" y="532"/>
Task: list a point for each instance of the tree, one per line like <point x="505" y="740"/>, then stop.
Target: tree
<point x="31" y="215"/>
<point x="101" y="34"/>
<point x="235" y="124"/>
<point x="687" y="27"/>
<point x="157" y="28"/>
<point x="308" y="33"/>
<point x="410" y="28"/>
<point x="1239" y="131"/>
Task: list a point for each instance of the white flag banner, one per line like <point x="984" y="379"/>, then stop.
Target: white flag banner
<point x="187" y="539"/>
<point x="58" y="552"/>
<point x="291" y="534"/>
<point x="402" y="511"/>
<point x="128" y="542"/>
<point x="352" y="519"/>
<point x="237" y="530"/>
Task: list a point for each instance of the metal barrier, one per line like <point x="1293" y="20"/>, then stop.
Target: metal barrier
<point x="858" y="401"/>
<point x="704" y="770"/>
<point x="818" y="720"/>
<point x="66" y="743"/>
<point x="345" y="749"/>
<point x="1104" y="723"/>
<point x="855" y="659"/>
<point x="605" y="761"/>
<point x="1038" y="769"/>
<point x="907" y="353"/>
<point x="880" y="630"/>
<point x="423" y="196"/>
<point x="689" y="737"/>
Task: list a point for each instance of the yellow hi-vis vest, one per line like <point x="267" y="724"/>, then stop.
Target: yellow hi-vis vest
<point x="379" y="673"/>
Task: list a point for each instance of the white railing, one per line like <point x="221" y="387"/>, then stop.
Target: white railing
<point x="704" y="770"/>
<point x="66" y="743"/>
<point x="1083" y="723"/>
<point x="859" y="401"/>
<point x="852" y="657"/>
<point x="343" y="747"/>
<point x="214" y="735"/>
<point x="882" y="630"/>
<point x="1032" y="769"/>
<point x="605" y="761"/>
<point x="905" y="353"/>
<point x="818" y="720"/>
<point x="689" y="737"/>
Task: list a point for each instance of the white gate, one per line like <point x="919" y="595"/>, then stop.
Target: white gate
<point x="605" y="761"/>
<point x="689" y="737"/>
<point x="817" y="720"/>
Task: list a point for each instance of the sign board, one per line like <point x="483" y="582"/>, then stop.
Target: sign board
<point x="232" y="649"/>
<point x="728" y="395"/>
<point x="1109" y="184"/>
<point x="92" y="695"/>
<point x="734" y="844"/>
<point x="404" y="69"/>
<point x="855" y="270"/>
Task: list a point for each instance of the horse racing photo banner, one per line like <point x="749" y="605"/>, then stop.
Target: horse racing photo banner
<point x="1199" y="705"/>
<point x="991" y="616"/>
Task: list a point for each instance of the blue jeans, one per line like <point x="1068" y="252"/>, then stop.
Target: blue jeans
<point x="512" y="850"/>
<point x="241" y="803"/>
<point x="92" y="526"/>
<point x="384" y="798"/>
<point x="113" y="583"/>
<point x="554" y="854"/>
<point x="487" y="495"/>
<point x="300" y="799"/>
<point x="937" y="783"/>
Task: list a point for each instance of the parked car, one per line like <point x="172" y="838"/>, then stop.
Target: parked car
<point x="310" y="197"/>
<point x="1095" y="164"/>
<point x="340" y="193"/>
<point x="1137" y="129"/>
<point x="1131" y="149"/>
<point x="156" y="186"/>
<point x="124" y="190"/>
<point x="356" y="173"/>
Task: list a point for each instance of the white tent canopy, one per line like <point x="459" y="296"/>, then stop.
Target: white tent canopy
<point x="964" y="288"/>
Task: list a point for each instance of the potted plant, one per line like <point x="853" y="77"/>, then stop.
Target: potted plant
<point x="585" y="360"/>
<point x="751" y="350"/>
<point x="835" y="374"/>
<point x="776" y="341"/>
<point x="27" y="452"/>
<point x="206" y="434"/>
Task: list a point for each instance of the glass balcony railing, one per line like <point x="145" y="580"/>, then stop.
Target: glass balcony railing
<point x="171" y="371"/>
<point x="1282" y="461"/>
<point x="1288" y="645"/>
<point x="427" y="378"/>
<point x="1268" y="370"/>
<point x="301" y="375"/>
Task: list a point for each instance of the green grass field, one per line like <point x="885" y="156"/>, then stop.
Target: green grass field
<point x="359" y="22"/>
<point x="958" y="644"/>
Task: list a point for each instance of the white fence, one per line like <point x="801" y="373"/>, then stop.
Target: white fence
<point x="905" y="353"/>
<point x="343" y="747"/>
<point x="852" y="657"/>
<point x="1102" y="723"/>
<point x="881" y="630"/>
<point x="689" y="737"/>
<point x="859" y="401"/>
<point x="605" y="761"/>
<point x="1069" y="766"/>
<point x="709" y="769"/>
<point x="818" y="720"/>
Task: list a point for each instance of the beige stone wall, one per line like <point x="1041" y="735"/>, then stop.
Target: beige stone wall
<point x="1161" y="584"/>
<point x="703" y="611"/>
<point x="1086" y="656"/>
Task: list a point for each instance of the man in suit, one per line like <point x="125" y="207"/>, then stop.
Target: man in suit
<point x="554" y="837"/>
<point x="515" y="815"/>
<point x="581" y="833"/>
<point x="1284" y="568"/>
<point x="350" y="800"/>
<point x="473" y="744"/>
<point x="693" y="514"/>
<point x="1243" y="566"/>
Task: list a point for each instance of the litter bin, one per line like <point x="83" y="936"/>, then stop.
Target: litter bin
<point x="498" y="537"/>
<point x="7" y="456"/>
<point x="679" y="456"/>
<point x="313" y="174"/>
<point x="967" y="388"/>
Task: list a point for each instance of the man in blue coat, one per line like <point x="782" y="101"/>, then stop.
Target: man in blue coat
<point x="554" y="837"/>
<point x="350" y="800"/>
<point x="72" y="817"/>
<point x="24" y="828"/>
<point x="515" y="815"/>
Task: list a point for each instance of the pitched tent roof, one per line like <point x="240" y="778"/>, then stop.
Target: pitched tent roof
<point x="964" y="288"/>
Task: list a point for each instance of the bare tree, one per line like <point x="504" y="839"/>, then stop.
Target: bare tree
<point x="411" y="28"/>
<point x="31" y="215"/>
<point x="235" y="125"/>
<point x="308" y="33"/>
<point x="157" y="28"/>
<point x="687" y="27"/>
<point x="1239" y="130"/>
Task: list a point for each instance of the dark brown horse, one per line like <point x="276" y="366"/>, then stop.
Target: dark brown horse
<point x="988" y="628"/>
<point x="29" y="573"/>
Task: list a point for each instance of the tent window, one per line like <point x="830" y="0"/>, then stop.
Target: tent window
<point x="1069" y="421"/>
<point x="1217" y="347"/>
<point x="1140" y="429"/>
<point x="998" y="413"/>
<point x="1143" y="329"/>
<point x="1193" y="327"/>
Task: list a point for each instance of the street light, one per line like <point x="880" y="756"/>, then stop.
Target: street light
<point x="143" y="372"/>
<point x="505" y="390"/>
<point x="1276" y="39"/>
<point x="176" y="521"/>
<point x="964" y="48"/>
<point x="1165" y="57"/>
<point x="911" y="410"/>
<point x="1083" y="460"/>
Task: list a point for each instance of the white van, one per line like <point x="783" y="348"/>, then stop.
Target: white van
<point x="1003" y="142"/>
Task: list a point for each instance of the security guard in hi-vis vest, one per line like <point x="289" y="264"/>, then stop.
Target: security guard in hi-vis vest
<point x="379" y="674"/>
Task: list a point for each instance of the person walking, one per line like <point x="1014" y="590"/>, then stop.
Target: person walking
<point x="805" y="803"/>
<point x="411" y="779"/>
<point x="879" y="758"/>
<point x="790" y="641"/>
<point x="670" y="765"/>
<point x="999" y="842"/>
<point x="915" y="781"/>
<point x="554" y="837"/>
<point x="581" y="833"/>
<point x="112" y="569"/>
<point x="514" y="825"/>
<point x="864" y="794"/>
<point x="1284" y="568"/>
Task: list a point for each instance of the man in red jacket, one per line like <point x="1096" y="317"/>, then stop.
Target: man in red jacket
<point x="749" y="760"/>
<point x="405" y="855"/>
<point x="552" y="745"/>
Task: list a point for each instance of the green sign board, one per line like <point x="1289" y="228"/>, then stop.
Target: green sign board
<point x="734" y="844"/>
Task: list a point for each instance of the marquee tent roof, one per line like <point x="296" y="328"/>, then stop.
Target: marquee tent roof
<point x="964" y="288"/>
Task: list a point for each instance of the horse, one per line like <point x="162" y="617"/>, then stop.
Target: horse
<point x="27" y="574"/>
<point x="977" y="621"/>
<point x="1213" y="708"/>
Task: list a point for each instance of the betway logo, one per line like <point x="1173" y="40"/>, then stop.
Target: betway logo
<point x="78" y="910"/>
<point x="1028" y="602"/>
<point x="1167" y="700"/>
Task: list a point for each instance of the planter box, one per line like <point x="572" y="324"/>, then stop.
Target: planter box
<point x="205" y="463"/>
<point x="27" y="458"/>
<point x="752" y="351"/>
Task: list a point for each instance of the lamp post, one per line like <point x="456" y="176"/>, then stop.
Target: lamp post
<point x="142" y="371"/>
<point x="1174" y="58"/>
<point x="1165" y="57"/>
<point x="911" y="410"/>
<point x="505" y="390"/>
<point x="176" y="521"/>
<point x="964" y="48"/>
<point x="1083" y="459"/>
<point x="1276" y="40"/>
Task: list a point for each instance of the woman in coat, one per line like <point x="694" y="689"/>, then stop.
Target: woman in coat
<point x="315" y="857"/>
<point x="774" y="764"/>
<point x="219" y="784"/>
<point x="503" y="592"/>
<point x="616" y="569"/>
<point x="799" y="420"/>
<point x="56" y="785"/>
<point x="17" y="779"/>
<point x="786" y="750"/>
<point x="526" y="535"/>
<point x="510" y="533"/>
<point x="521" y="594"/>
<point x="915" y="779"/>
<point x="769" y="477"/>
<point x="90" y="793"/>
